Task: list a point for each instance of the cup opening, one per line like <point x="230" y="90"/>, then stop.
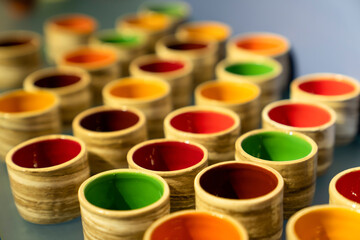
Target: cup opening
<point x="196" y="226"/>
<point x="265" y="45"/>
<point x="82" y="24"/>
<point x="57" y="81"/>
<point x="14" y="41"/>
<point x="238" y="181"/>
<point x="138" y="89"/>
<point x="162" y="66"/>
<point x="152" y="22"/>
<point x="109" y="121"/>
<point x="168" y="156"/>
<point x="276" y="146"/>
<point x="348" y="185"/>
<point x="207" y="32"/>
<point x="123" y="191"/>
<point x="120" y="38"/>
<point x="90" y="56"/>
<point x="22" y="101"/>
<point x="327" y="87"/>
<point x="187" y="46"/>
<point x="202" y="122"/>
<point x="249" y="69"/>
<point x="173" y="9"/>
<point x="46" y="153"/>
<point x="299" y="115"/>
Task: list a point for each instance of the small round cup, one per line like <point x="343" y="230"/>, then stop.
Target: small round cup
<point x="45" y="174"/>
<point x="265" y="72"/>
<point x="19" y="56"/>
<point x="176" y="71"/>
<point x="176" y="161"/>
<point x="337" y="91"/>
<point x="121" y="204"/>
<point x="71" y="84"/>
<point x="109" y="133"/>
<point x="292" y="154"/>
<point x="151" y="95"/>
<point x="25" y="115"/>
<point x="196" y="225"/>
<point x="249" y="192"/>
<point x="101" y="62"/>
<point x="213" y="127"/>
<point x="324" y="222"/>
<point x="312" y="119"/>
<point x="254" y="44"/>
<point x="344" y="188"/>
<point x="241" y="97"/>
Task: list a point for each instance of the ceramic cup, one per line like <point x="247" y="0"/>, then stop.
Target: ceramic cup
<point x="176" y="71"/>
<point x="241" y="97"/>
<point x="129" y="44"/>
<point x="344" y="188"/>
<point x="66" y="32"/>
<point x="203" y="55"/>
<point x="196" y="225"/>
<point x="253" y="44"/>
<point x="153" y="25"/>
<point x="71" y="84"/>
<point x="109" y="133"/>
<point x="176" y="161"/>
<point x="213" y="127"/>
<point x="312" y="119"/>
<point x="45" y="174"/>
<point x="293" y="155"/>
<point x="249" y="192"/>
<point x="337" y="91"/>
<point x="101" y="62"/>
<point x="265" y="72"/>
<point x="324" y="222"/>
<point x="151" y="95"/>
<point x="206" y="31"/>
<point x="121" y="204"/>
<point x="25" y="115"/>
<point x="19" y="56"/>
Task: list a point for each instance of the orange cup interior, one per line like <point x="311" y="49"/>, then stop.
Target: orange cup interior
<point x="91" y="57"/>
<point x="21" y="101"/>
<point x="267" y="45"/>
<point x="77" y="23"/>
<point x="196" y="226"/>
<point x="327" y="224"/>
<point x="229" y="92"/>
<point x="152" y="22"/>
<point x="207" y="32"/>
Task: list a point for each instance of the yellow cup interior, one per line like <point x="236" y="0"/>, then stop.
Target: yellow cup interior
<point x="206" y="32"/>
<point x="153" y="21"/>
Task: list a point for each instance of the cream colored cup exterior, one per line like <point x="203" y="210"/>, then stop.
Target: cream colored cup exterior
<point x="100" y="223"/>
<point x="17" y="61"/>
<point x="268" y="83"/>
<point x="18" y="127"/>
<point x="107" y="150"/>
<point x="203" y="59"/>
<point x="48" y="195"/>
<point x="335" y="197"/>
<point x="74" y="98"/>
<point x="238" y="226"/>
<point x="261" y="216"/>
<point x="248" y="112"/>
<point x="220" y="145"/>
<point x="236" y="53"/>
<point x="323" y="135"/>
<point x="182" y="195"/>
<point x="154" y="109"/>
<point x="345" y="106"/>
<point x="180" y="80"/>
<point x="299" y="175"/>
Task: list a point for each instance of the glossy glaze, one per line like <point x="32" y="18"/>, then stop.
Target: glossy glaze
<point x="349" y="186"/>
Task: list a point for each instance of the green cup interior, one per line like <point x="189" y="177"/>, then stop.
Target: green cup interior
<point x="249" y="69"/>
<point x="276" y="146"/>
<point x="172" y="9"/>
<point x="123" y="191"/>
<point x="122" y="39"/>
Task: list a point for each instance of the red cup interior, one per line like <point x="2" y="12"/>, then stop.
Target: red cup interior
<point x="46" y="153"/>
<point x="299" y="115"/>
<point x="327" y="87"/>
<point x="109" y="120"/>
<point x="238" y="181"/>
<point x="162" y="66"/>
<point x="349" y="186"/>
<point x="168" y="156"/>
<point x="57" y="81"/>
<point x="202" y="122"/>
<point x="187" y="46"/>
